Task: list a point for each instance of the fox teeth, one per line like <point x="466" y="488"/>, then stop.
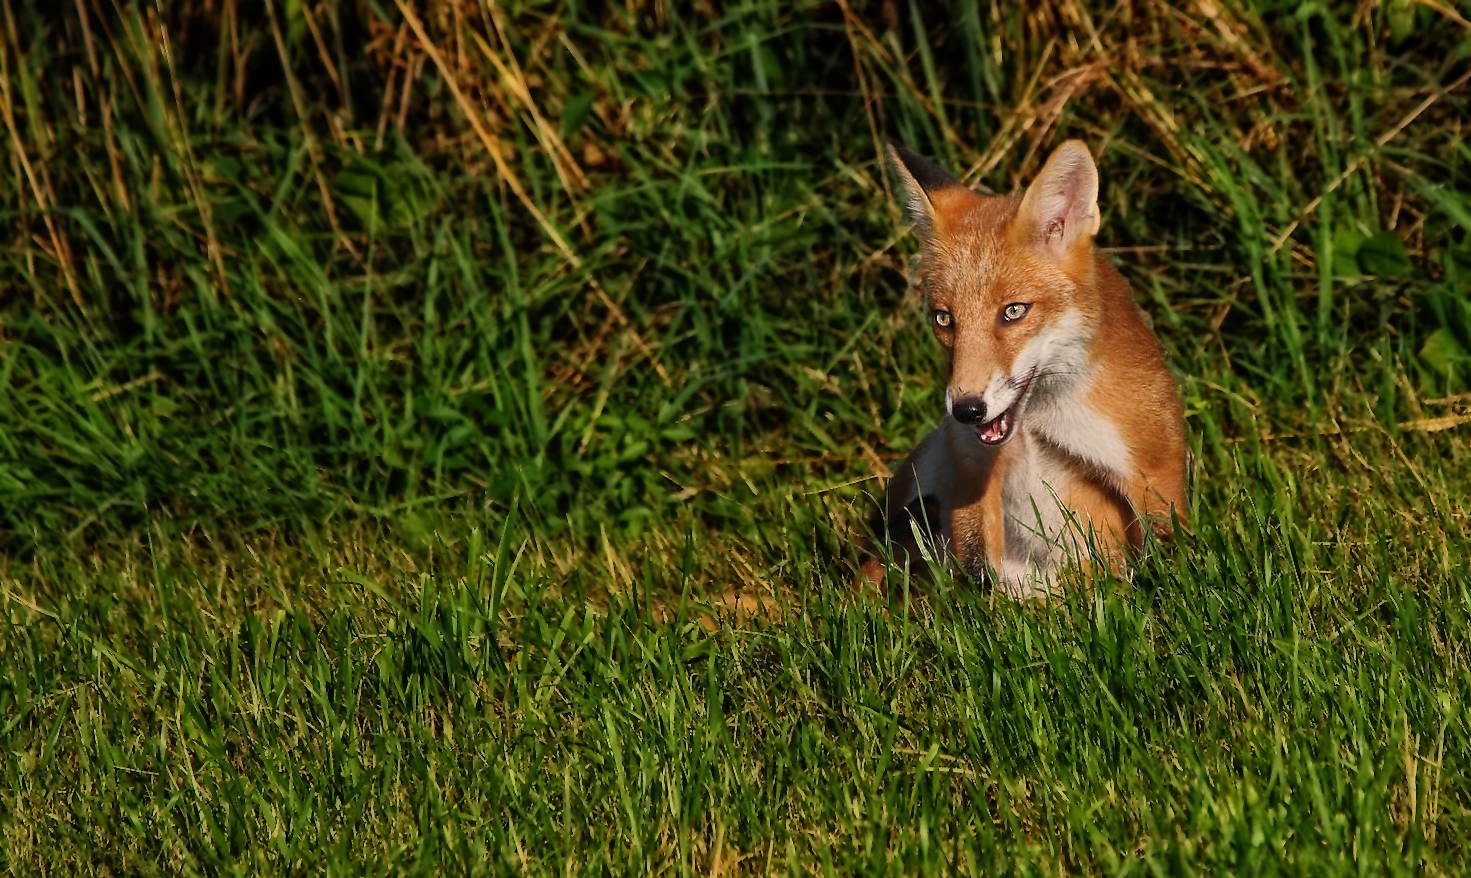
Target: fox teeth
<point x="996" y="430"/>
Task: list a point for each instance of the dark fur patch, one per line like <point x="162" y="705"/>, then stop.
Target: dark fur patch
<point x="899" y="524"/>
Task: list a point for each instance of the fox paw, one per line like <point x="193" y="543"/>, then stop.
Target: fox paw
<point x="1021" y="581"/>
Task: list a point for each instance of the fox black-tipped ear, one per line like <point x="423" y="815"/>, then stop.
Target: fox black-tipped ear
<point x="919" y="181"/>
<point x="1060" y="209"/>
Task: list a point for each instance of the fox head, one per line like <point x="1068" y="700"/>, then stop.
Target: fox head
<point x="1009" y="282"/>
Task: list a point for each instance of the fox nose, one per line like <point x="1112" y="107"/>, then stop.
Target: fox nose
<point x="969" y="410"/>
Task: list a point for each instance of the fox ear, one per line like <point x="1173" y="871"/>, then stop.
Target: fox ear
<point x="920" y="184"/>
<point x="1060" y="209"/>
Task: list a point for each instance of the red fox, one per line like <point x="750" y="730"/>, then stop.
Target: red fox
<point x="1064" y="433"/>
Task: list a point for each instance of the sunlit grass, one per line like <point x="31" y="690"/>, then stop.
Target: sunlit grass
<point x="380" y="463"/>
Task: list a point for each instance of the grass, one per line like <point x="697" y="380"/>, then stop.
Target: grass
<point x="390" y="395"/>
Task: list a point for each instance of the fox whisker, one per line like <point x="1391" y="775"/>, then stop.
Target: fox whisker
<point x="1044" y="373"/>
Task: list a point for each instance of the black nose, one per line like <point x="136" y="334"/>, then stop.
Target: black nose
<point x="969" y="410"/>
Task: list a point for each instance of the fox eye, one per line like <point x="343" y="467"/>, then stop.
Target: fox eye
<point x="943" y="319"/>
<point x="1014" y="312"/>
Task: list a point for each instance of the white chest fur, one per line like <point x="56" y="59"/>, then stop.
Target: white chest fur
<point x="1068" y="422"/>
<point x="1039" y="478"/>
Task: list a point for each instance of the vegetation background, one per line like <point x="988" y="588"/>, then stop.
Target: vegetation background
<point x="392" y="392"/>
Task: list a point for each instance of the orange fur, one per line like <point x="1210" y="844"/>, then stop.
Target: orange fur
<point x="1067" y="428"/>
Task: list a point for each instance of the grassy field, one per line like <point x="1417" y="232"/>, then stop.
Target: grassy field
<point x="391" y="392"/>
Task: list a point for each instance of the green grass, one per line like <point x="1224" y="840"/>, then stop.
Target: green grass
<point x="371" y="458"/>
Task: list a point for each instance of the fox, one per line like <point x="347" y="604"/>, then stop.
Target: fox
<point x="1063" y="439"/>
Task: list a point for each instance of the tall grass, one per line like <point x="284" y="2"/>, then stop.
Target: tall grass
<point x="388" y="389"/>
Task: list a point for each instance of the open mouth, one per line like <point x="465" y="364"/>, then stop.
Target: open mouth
<point x="1000" y="428"/>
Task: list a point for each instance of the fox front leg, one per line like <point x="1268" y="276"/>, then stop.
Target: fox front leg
<point x="980" y="539"/>
<point x="1160" y="498"/>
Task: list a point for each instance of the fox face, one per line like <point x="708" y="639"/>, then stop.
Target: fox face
<point x="1005" y="282"/>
